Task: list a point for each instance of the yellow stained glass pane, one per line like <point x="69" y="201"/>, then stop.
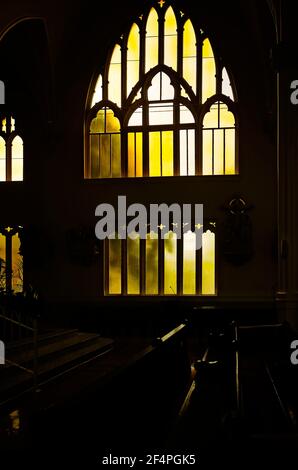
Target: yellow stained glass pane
<point x="189" y="55"/>
<point x="226" y="85"/>
<point x="135" y="154"/>
<point x="208" y="263"/>
<point x="112" y="123"/>
<point x="133" y="265"/>
<point x="151" y="56"/>
<point x="2" y="261"/>
<point x="189" y="263"/>
<point x="17" y="265"/>
<point x="3" y="125"/>
<point x="152" y="264"/>
<point x="114" y="90"/>
<point x="2" y="159"/>
<point x="154" y="154"/>
<point x="139" y="154"/>
<point x="208" y="71"/>
<point x="167" y="153"/>
<point x="17" y="159"/>
<point x="230" y="165"/>
<point x="105" y="155"/>
<point x="94" y="154"/>
<point x="226" y="117"/>
<point x="133" y="57"/>
<point x="218" y="152"/>
<point x="115" y="267"/>
<point x="183" y="153"/>
<point x="211" y="119"/>
<point x="97" y="95"/>
<point x="207" y="152"/>
<point x="131" y="153"/>
<point x="98" y="123"/>
<point x="170" y="44"/>
<point x="116" y="155"/>
<point x="170" y="263"/>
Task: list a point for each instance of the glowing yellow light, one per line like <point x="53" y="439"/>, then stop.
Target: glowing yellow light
<point x="151" y="56"/>
<point x="226" y="85"/>
<point x="135" y="154"/>
<point x="230" y="152"/>
<point x="105" y="146"/>
<point x="189" y="55"/>
<point x="94" y="155"/>
<point x="167" y="153"/>
<point x="219" y="143"/>
<point x="97" y="95"/>
<point x="17" y="159"/>
<point x="133" y="265"/>
<point x="154" y="154"/>
<point x="189" y="263"/>
<point x="114" y="92"/>
<point x="208" y="263"/>
<point x="170" y="40"/>
<point x="115" y="286"/>
<point x="2" y="261"/>
<point x="208" y="71"/>
<point x="152" y="264"/>
<point x="218" y="152"/>
<point x="133" y="57"/>
<point x="17" y="264"/>
<point x="170" y="263"/>
<point x="2" y="159"/>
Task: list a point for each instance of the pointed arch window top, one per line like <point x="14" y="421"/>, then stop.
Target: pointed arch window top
<point x="208" y="71"/>
<point x="133" y="57"/>
<point x="97" y="95"/>
<point x="152" y="29"/>
<point x="114" y="93"/>
<point x="170" y="39"/>
<point x="226" y="85"/>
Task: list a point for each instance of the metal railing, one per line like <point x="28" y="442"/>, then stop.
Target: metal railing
<point x="16" y="327"/>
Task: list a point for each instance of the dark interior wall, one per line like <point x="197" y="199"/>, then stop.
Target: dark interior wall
<point x="56" y="57"/>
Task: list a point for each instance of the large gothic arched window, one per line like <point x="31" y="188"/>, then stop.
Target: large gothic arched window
<point x="163" y="104"/>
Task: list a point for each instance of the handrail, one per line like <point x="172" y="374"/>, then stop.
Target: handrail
<point x="15" y="322"/>
<point x="34" y="370"/>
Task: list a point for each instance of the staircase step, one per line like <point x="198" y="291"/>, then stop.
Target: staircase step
<point x="57" y="346"/>
<point x="83" y="347"/>
<point x="43" y="338"/>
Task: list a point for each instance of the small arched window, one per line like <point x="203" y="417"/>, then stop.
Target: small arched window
<point x="161" y="79"/>
<point x="11" y="152"/>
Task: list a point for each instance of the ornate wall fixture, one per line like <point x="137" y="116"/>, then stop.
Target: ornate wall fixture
<point x="237" y="233"/>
